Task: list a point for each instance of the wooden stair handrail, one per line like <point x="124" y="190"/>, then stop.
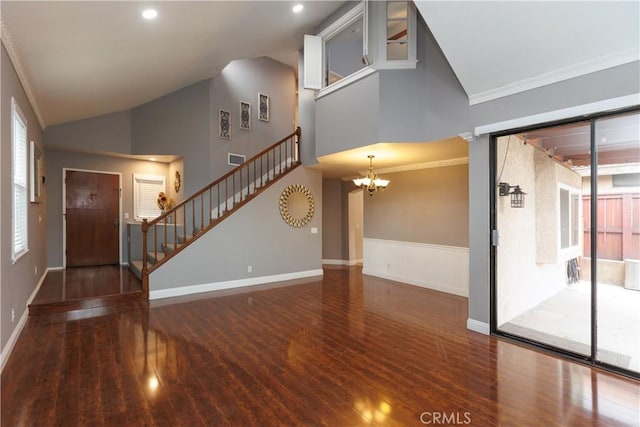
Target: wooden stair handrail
<point x="172" y="213"/>
<point x="225" y="176"/>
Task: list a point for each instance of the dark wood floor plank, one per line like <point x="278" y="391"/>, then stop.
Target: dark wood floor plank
<point x="85" y="288"/>
<point x="343" y="350"/>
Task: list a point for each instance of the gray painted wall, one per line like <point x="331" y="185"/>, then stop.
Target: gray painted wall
<point x="242" y="80"/>
<point x="423" y="206"/>
<point x="109" y="132"/>
<point x="17" y="281"/>
<point x="246" y="237"/>
<point x="178" y="123"/>
<point x="611" y="83"/>
<point x="410" y="105"/>
<point x="348" y="118"/>
<point x="424" y="104"/>
<point x="332" y="211"/>
<point x="182" y="123"/>
<point x="57" y="160"/>
<point x="429" y="104"/>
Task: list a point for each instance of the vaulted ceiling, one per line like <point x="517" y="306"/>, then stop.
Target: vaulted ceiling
<point x="498" y="48"/>
<point x="85" y="58"/>
<point x="80" y="59"/>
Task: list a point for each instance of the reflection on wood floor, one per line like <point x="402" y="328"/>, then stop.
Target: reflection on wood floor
<point x="342" y="350"/>
<point x="84" y="288"/>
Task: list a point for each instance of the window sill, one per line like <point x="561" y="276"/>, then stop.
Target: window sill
<point x="358" y="75"/>
<point x="17" y="257"/>
<point x="397" y="65"/>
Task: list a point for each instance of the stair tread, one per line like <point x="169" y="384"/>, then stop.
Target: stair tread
<point x="153" y="258"/>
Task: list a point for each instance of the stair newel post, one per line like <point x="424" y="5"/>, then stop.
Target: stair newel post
<point x="145" y="270"/>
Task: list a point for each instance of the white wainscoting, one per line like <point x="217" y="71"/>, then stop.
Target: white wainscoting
<point x="441" y="268"/>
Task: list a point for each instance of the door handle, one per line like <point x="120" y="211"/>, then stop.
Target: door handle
<point x="116" y="222"/>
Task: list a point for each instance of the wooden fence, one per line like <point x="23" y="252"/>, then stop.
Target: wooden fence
<point x="618" y="226"/>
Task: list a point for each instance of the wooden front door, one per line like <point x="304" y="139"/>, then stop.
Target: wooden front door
<point x="92" y="216"/>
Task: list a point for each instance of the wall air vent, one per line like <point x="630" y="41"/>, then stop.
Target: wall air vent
<point x="236" y="159"/>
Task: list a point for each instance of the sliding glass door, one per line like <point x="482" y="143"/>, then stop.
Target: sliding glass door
<point x="617" y="233"/>
<point x="551" y="219"/>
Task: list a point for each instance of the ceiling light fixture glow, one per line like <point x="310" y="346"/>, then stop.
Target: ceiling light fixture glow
<point x="371" y="182"/>
<point x="149" y="14"/>
<point x="297" y="8"/>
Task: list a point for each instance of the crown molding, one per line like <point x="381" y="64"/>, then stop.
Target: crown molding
<point x="467" y="136"/>
<point x="558" y="75"/>
<point x="7" y="42"/>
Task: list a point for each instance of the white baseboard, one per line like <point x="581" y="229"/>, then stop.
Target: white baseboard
<point x="438" y="267"/>
<point x="478" y="326"/>
<point x="342" y="262"/>
<point x="55" y="268"/>
<point x="13" y="338"/>
<point x="335" y="262"/>
<point x="231" y="284"/>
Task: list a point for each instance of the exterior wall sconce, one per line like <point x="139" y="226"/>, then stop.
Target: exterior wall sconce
<point x="517" y="195"/>
<point x="371" y="182"/>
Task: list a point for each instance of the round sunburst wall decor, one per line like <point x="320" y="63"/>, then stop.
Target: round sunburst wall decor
<point x="296" y="205"/>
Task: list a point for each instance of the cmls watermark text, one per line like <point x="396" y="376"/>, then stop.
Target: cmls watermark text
<point x="445" y="418"/>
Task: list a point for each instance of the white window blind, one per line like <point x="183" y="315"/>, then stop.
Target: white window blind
<point x="20" y="181"/>
<point x="145" y="195"/>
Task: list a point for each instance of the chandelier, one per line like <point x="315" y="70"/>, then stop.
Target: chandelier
<point x="371" y="182"/>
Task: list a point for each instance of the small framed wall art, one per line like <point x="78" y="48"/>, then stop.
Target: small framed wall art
<point x="224" y="124"/>
<point x="264" y="107"/>
<point x="245" y="115"/>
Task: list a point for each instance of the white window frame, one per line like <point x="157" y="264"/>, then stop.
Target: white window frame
<point x="312" y="60"/>
<point x="138" y="179"/>
<point x="382" y="63"/>
<point x="573" y="245"/>
<point x="19" y="182"/>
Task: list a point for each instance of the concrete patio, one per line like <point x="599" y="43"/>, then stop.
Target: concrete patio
<point x="564" y="321"/>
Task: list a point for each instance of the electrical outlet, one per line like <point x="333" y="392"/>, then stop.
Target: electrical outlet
<point x="314" y="230"/>
<point x="35" y="270"/>
<point x="126" y="215"/>
<point x="249" y="269"/>
<point x="13" y="315"/>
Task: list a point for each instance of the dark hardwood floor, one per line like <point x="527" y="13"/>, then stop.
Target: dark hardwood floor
<point x="84" y="288"/>
<point x="343" y="350"/>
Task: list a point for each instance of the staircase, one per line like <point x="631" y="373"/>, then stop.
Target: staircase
<point x="167" y="235"/>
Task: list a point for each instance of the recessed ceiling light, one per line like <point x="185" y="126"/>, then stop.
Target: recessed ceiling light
<point x="149" y="14"/>
<point x="297" y="8"/>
